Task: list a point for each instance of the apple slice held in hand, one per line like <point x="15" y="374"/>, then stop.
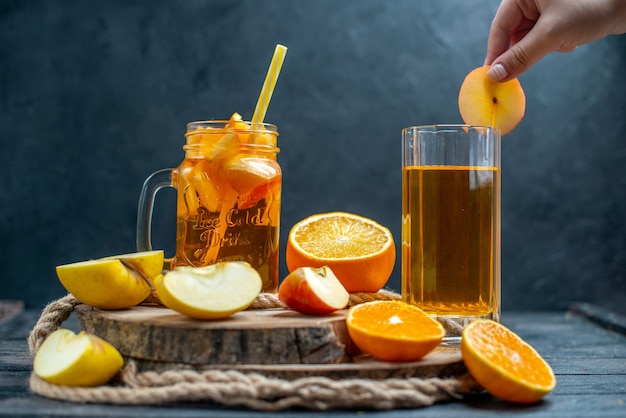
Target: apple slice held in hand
<point x="485" y="103"/>
<point x="212" y="292"/>
<point x="313" y="291"/>
<point x="70" y="359"/>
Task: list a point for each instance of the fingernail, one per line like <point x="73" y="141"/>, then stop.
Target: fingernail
<point x="496" y="72"/>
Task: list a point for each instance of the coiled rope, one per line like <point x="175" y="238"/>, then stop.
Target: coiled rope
<point x="251" y="390"/>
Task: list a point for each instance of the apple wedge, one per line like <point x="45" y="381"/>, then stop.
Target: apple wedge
<point x="212" y="292"/>
<point x="150" y="263"/>
<point x="245" y="173"/>
<point x="70" y="359"/>
<point x="105" y="283"/>
<point x="313" y="291"/>
<point x="485" y="103"/>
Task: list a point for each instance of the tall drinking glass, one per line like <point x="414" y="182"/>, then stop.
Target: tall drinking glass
<point x="451" y="223"/>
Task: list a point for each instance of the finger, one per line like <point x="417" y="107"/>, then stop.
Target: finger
<point x="507" y="19"/>
<point x="499" y="41"/>
<point x="522" y="31"/>
<point x="522" y="55"/>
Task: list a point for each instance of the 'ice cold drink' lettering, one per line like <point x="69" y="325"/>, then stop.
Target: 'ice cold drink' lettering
<point x="208" y="225"/>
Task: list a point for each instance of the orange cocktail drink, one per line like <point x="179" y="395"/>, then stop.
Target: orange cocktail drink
<point x="229" y="190"/>
<point x="228" y="197"/>
<point x="451" y="222"/>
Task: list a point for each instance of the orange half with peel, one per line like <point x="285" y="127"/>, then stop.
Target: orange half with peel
<point x="393" y="331"/>
<point x="360" y="251"/>
<point x="504" y="364"/>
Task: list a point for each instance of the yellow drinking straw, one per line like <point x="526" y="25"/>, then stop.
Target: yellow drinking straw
<point x="268" y="85"/>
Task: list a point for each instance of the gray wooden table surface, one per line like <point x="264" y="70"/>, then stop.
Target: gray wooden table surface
<point x="585" y="347"/>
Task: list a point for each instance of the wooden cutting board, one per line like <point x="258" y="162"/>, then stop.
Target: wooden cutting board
<point x="274" y="342"/>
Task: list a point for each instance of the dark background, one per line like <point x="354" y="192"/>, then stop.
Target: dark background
<point x="94" y="96"/>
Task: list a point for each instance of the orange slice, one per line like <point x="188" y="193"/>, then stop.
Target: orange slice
<point x="393" y="331"/>
<point x="360" y="251"/>
<point x="504" y="364"/>
<point x="236" y="123"/>
<point x="485" y="103"/>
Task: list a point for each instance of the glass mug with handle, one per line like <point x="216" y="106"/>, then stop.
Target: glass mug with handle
<point x="451" y="223"/>
<point x="228" y="198"/>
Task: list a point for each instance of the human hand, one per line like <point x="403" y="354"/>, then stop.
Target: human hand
<point x="524" y="31"/>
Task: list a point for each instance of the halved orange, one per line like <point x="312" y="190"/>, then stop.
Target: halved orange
<point x="393" y="330"/>
<point x="360" y="251"/>
<point x="504" y="364"/>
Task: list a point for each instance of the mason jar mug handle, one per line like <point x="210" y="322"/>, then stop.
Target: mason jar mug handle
<point x="155" y="182"/>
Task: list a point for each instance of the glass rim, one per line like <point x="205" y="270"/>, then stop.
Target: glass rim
<point x="456" y="126"/>
<point x="256" y="127"/>
<point x="256" y="147"/>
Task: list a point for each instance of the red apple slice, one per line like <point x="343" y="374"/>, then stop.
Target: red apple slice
<point x="313" y="291"/>
<point x="485" y="103"/>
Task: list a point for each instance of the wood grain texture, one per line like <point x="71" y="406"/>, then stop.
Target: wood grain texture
<point x="442" y="362"/>
<point x="273" y="342"/>
<point x="268" y="336"/>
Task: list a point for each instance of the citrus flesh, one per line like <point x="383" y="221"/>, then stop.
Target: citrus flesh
<point x="485" y="103"/>
<point x="360" y="251"/>
<point x="70" y="359"/>
<point x="504" y="364"/>
<point x="212" y="292"/>
<point x="393" y="331"/>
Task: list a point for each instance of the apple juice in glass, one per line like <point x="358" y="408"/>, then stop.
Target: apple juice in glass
<point x="451" y="223"/>
<point x="228" y="197"/>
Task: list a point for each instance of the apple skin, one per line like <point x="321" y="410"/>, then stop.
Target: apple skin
<point x="104" y="283"/>
<point x="82" y="359"/>
<point x="150" y="263"/>
<point x="313" y="291"/>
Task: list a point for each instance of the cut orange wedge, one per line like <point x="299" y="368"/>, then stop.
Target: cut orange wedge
<point x="393" y="331"/>
<point x="360" y="251"/>
<point x="504" y="364"/>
